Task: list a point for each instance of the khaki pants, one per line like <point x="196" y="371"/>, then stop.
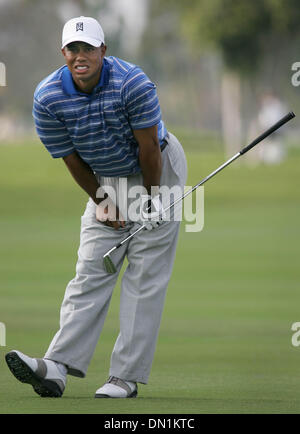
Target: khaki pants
<point x="150" y="257"/>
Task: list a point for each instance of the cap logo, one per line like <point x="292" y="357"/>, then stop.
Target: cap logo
<point x="79" y="26"/>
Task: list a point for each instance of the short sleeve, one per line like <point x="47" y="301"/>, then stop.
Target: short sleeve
<point x="140" y="100"/>
<point x="51" y="131"/>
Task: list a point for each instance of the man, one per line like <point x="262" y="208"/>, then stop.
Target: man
<point x="102" y="116"/>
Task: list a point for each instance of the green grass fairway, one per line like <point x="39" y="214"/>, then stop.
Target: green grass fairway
<point x="225" y="338"/>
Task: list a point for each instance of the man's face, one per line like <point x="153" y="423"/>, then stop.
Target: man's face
<point x="84" y="61"/>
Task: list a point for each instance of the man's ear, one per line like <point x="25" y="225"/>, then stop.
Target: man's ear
<point x="103" y="49"/>
<point x="63" y="52"/>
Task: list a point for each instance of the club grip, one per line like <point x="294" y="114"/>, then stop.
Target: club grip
<point x="271" y="130"/>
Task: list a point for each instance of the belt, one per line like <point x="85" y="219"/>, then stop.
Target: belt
<point x="164" y="142"/>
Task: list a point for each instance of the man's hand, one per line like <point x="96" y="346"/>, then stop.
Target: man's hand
<point x="109" y="214"/>
<point x="152" y="213"/>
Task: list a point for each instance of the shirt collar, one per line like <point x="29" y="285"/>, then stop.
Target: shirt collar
<point x="69" y="86"/>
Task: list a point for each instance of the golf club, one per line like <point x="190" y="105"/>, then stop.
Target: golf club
<point x="108" y="263"/>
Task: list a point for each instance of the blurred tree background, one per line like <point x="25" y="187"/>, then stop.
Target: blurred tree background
<point x="212" y="60"/>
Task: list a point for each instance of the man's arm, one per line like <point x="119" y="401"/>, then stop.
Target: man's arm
<point x="149" y="156"/>
<point x="85" y="177"/>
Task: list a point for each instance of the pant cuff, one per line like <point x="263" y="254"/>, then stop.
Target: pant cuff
<point x="126" y="376"/>
<point x="71" y="367"/>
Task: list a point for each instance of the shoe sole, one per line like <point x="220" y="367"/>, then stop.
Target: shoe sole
<point x="101" y="395"/>
<point x="22" y="372"/>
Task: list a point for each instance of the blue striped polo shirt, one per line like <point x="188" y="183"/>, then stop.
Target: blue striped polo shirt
<point x="98" y="126"/>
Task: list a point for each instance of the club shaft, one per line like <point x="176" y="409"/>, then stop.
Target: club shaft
<point x="178" y="200"/>
<point x="271" y="130"/>
<point x="125" y="240"/>
<point x="131" y="235"/>
<point x="204" y="180"/>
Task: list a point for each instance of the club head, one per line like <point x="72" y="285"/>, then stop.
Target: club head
<point x="109" y="265"/>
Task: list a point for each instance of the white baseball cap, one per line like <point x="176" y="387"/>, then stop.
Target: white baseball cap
<point x="83" y="29"/>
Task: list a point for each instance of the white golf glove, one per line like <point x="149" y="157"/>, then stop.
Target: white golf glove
<point x="152" y="213"/>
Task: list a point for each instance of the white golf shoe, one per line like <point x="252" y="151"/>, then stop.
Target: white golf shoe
<point x="117" y="388"/>
<point x="48" y="378"/>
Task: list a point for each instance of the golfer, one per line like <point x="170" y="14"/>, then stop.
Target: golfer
<point x="101" y="115"/>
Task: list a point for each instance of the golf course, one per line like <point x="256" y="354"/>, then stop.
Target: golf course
<point x="225" y="342"/>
